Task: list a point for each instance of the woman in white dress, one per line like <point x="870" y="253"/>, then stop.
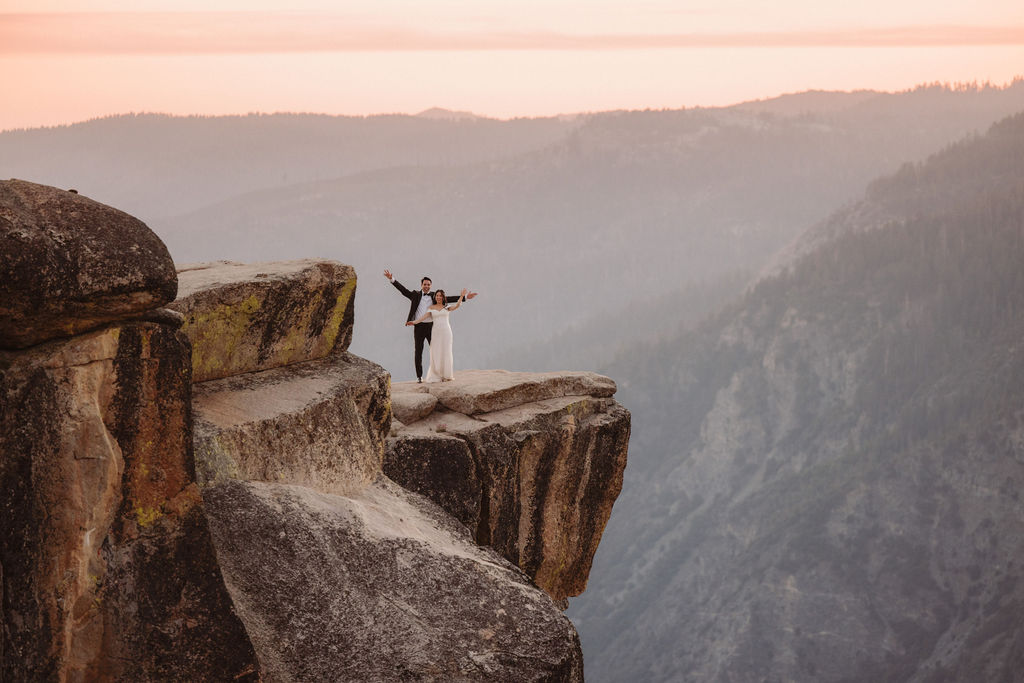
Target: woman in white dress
<point x="442" y="363"/>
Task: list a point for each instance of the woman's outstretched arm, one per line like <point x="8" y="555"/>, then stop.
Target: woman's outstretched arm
<point x="462" y="297"/>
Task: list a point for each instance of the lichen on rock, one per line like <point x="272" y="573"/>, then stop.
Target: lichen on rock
<point x="243" y="318"/>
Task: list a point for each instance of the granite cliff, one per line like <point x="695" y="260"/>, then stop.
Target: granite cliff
<point x="200" y="482"/>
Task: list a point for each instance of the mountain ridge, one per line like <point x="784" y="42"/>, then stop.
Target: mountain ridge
<point x="825" y="480"/>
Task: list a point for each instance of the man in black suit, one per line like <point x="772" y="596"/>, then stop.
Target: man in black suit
<point x="419" y="301"/>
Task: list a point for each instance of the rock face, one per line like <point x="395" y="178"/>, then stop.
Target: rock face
<point x="242" y="528"/>
<point x="336" y="572"/>
<point x="107" y="567"/>
<point x="532" y="466"/>
<point x="241" y="318"/>
<point x="69" y="264"/>
<point x="250" y="427"/>
<point x="380" y="585"/>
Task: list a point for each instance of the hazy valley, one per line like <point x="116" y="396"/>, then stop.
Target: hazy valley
<point x="812" y="305"/>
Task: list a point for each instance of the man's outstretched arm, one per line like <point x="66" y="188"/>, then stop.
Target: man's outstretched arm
<point x="398" y="285"/>
<point x="453" y="299"/>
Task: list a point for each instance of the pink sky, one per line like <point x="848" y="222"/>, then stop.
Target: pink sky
<point x="67" y="61"/>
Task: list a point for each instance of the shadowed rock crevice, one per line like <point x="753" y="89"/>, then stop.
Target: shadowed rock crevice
<point x="482" y="532"/>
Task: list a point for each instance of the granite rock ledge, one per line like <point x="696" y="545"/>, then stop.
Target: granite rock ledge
<point x="531" y="463"/>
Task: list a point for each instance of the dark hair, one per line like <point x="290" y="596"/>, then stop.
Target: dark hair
<point x="426" y="279"/>
<point x="444" y="299"/>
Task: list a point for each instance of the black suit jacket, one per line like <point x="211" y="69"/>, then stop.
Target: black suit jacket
<point x="414" y="299"/>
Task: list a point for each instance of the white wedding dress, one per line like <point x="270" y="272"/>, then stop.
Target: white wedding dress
<point x="442" y="364"/>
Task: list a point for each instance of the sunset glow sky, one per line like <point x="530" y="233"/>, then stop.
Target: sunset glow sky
<point x="64" y="61"/>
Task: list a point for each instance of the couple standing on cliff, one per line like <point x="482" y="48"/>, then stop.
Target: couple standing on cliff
<point x="425" y="309"/>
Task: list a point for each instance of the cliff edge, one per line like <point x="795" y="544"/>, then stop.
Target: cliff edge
<point x="218" y="490"/>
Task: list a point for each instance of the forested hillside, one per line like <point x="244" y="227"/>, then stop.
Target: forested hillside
<point x="824" y="482"/>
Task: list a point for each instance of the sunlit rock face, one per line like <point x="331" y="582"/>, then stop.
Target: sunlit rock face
<point x="69" y="264"/>
<point x="105" y="556"/>
<point x="530" y="462"/>
<point x="247" y="317"/>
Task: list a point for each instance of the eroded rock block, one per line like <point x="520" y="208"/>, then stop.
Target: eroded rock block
<point x="106" y="562"/>
<point x="247" y="317"/>
<point x="379" y="586"/>
<point x="320" y="424"/>
<point x="544" y="474"/>
<point x="69" y="264"/>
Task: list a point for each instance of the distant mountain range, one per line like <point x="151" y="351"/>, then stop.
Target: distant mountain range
<point x="826" y="480"/>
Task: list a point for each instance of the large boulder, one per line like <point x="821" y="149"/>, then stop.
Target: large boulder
<point x="536" y="480"/>
<point x="319" y="424"/>
<point x="248" y="317"/>
<point x="107" y="567"/>
<point x="379" y="586"/>
<point x="69" y="264"/>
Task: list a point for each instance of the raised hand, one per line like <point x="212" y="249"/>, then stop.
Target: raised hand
<point x="464" y="290"/>
<point x="387" y="274"/>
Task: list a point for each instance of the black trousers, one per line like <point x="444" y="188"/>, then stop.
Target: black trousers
<point x="419" y="333"/>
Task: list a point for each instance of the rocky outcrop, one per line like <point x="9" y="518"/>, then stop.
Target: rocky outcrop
<point x="107" y="567"/>
<point x="70" y="264"/>
<point x="530" y="462"/>
<point x="241" y="318"/>
<point x="242" y="528"/>
<point x="337" y="573"/>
